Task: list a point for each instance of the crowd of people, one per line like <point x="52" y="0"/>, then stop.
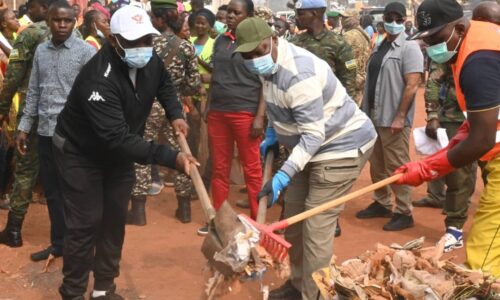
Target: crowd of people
<point x="95" y="95"/>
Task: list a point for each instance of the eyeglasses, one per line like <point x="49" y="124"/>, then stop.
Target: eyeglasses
<point x="390" y="19"/>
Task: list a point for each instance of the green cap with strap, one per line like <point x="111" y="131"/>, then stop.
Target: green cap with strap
<point x="163" y="4"/>
<point x="250" y="33"/>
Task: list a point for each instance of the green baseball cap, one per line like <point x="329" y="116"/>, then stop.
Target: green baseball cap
<point x="250" y="33"/>
<point x="163" y="4"/>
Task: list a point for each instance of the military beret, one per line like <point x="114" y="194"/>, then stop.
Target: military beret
<point x="163" y="4"/>
<point x="310" y="4"/>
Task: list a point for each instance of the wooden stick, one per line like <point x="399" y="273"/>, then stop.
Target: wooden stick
<point x="268" y="174"/>
<point x="199" y="186"/>
<point x="319" y="209"/>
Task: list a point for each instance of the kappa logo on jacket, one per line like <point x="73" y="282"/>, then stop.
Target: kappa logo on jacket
<point x="96" y="97"/>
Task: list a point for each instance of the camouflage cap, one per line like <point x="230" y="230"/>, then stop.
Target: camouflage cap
<point x="350" y="13"/>
<point x="264" y="13"/>
<point x="163" y="4"/>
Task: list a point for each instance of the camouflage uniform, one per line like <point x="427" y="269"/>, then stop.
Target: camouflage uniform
<point x="441" y="104"/>
<point x="332" y="48"/>
<point x="265" y="14"/>
<point x="359" y="41"/>
<point x="16" y="80"/>
<point x="183" y="69"/>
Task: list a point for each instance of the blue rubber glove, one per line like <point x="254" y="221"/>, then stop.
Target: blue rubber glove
<point x="270" y="141"/>
<point x="273" y="187"/>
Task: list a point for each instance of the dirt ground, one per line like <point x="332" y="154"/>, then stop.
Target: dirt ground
<point x="163" y="260"/>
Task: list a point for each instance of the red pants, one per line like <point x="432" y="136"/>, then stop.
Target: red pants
<point x="224" y="128"/>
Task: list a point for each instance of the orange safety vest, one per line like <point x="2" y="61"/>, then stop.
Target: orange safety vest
<point x="480" y="36"/>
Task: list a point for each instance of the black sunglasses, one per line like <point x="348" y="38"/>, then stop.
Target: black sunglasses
<point x="390" y="19"/>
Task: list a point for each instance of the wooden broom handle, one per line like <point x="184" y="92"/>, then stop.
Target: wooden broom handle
<point x="268" y="174"/>
<point x="199" y="186"/>
<point x="319" y="209"/>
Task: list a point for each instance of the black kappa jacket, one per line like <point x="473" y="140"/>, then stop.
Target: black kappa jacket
<point x="105" y="115"/>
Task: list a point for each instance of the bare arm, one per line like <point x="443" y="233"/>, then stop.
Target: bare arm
<point x="481" y="139"/>
<point x="412" y="80"/>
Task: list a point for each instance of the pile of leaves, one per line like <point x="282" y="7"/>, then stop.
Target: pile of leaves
<point x="404" y="272"/>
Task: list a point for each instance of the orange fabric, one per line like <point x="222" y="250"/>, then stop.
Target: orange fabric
<point x="480" y="36"/>
<point x="93" y="42"/>
<point x="375" y="36"/>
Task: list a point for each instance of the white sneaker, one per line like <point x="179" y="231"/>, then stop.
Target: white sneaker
<point x="155" y="189"/>
<point x="453" y="239"/>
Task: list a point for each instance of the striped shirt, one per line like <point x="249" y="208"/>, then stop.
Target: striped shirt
<point x="54" y="71"/>
<point x="311" y="111"/>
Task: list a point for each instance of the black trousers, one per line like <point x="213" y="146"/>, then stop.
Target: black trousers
<point x="52" y="190"/>
<point x="95" y="203"/>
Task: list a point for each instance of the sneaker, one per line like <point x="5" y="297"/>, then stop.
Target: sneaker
<point x="110" y="295"/>
<point x="243" y="203"/>
<point x="203" y="230"/>
<point x="453" y="239"/>
<point x="399" y="222"/>
<point x="374" y="210"/>
<point x="155" y="189"/>
<point x="286" y="291"/>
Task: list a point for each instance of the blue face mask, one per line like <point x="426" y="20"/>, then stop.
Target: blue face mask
<point x="439" y="52"/>
<point x="263" y="65"/>
<point x="394" y="28"/>
<point x="137" y="58"/>
<point x="220" y="27"/>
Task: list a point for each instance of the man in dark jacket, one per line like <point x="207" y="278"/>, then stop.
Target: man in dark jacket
<point x="98" y="138"/>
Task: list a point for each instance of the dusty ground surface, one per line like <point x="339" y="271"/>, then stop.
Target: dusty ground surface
<point x="163" y="260"/>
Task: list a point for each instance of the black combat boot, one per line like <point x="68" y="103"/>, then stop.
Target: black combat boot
<point x="183" y="211"/>
<point x="137" y="215"/>
<point x="11" y="235"/>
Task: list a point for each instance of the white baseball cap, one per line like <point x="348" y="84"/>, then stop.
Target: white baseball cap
<point x="131" y="23"/>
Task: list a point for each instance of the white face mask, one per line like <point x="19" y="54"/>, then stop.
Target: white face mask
<point x="99" y="33"/>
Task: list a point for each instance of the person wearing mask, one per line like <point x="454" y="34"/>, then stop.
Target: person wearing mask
<point x="472" y="48"/>
<point x="392" y="80"/>
<point x="97" y="139"/>
<point x="330" y="140"/>
<point x="220" y="20"/>
<point x="16" y="81"/>
<point x="235" y="113"/>
<point x="325" y="43"/>
<point x="452" y="192"/>
<point x="95" y="28"/>
<point x="359" y="41"/>
<point x="49" y="87"/>
<point x="379" y="35"/>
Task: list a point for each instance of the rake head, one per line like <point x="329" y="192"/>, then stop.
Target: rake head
<point x="274" y="244"/>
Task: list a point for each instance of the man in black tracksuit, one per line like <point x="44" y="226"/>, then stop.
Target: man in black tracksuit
<point x="98" y="138"/>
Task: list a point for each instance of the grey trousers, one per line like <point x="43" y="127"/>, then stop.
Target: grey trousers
<point x="312" y="239"/>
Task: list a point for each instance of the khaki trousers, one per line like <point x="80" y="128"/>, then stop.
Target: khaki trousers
<point x="390" y="152"/>
<point x="312" y="239"/>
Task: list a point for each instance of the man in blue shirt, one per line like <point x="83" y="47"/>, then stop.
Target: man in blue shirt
<point x="55" y="66"/>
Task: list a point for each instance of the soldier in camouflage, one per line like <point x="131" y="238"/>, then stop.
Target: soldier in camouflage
<point x="325" y="44"/>
<point x="359" y="41"/>
<point x="180" y="60"/>
<point x="443" y="112"/>
<point x="16" y="80"/>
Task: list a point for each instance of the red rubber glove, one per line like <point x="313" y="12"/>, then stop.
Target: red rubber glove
<point x="434" y="166"/>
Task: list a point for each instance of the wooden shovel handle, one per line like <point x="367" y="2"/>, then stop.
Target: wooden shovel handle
<point x="319" y="209"/>
<point x="268" y="174"/>
<point x="199" y="186"/>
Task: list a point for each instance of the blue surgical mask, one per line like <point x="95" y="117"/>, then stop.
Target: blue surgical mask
<point x="137" y="58"/>
<point x="439" y="52"/>
<point x="263" y="65"/>
<point x="394" y="28"/>
<point x="220" y="27"/>
<point x="99" y="33"/>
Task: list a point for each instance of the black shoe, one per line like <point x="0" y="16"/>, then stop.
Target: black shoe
<point x="110" y="295"/>
<point x="11" y="235"/>
<point x="338" y="230"/>
<point x="183" y="211"/>
<point x="399" y="222"/>
<point x="374" y="210"/>
<point x="137" y="215"/>
<point x="44" y="254"/>
<point x="426" y="202"/>
<point x="285" y="292"/>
